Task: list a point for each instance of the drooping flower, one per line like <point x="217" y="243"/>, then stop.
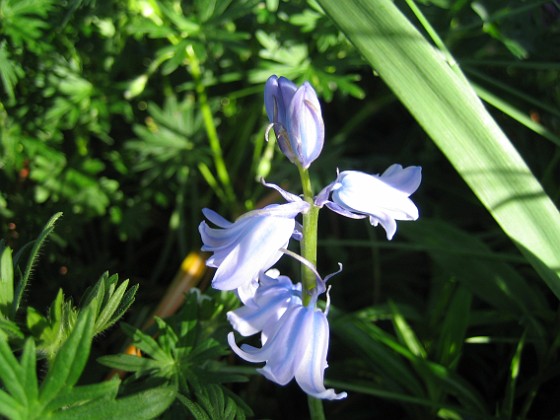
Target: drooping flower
<point x="295" y="117"/>
<point x="262" y="311"/>
<point x="250" y="244"/>
<point x="384" y="198"/>
<point x="295" y="346"/>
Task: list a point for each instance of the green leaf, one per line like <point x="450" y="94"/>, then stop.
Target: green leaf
<point x="6" y="280"/>
<point x="129" y="363"/>
<point x="406" y="333"/>
<point x="453" y="329"/>
<point x="379" y="350"/>
<point x="47" y="229"/>
<point x="9" y="407"/>
<point x="507" y="410"/>
<point x="10" y="71"/>
<point x="146" y="343"/>
<point x="86" y="393"/>
<point x="195" y="409"/>
<point x="433" y="88"/>
<point x="143" y="405"/>
<point x="9" y="329"/>
<point x="29" y="371"/>
<point x="492" y="280"/>
<point x="105" y="318"/>
<point x="11" y="374"/>
<point x="70" y="359"/>
<point x="109" y="303"/>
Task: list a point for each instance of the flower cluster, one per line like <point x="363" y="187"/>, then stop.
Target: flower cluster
<point x="294" y="333"/>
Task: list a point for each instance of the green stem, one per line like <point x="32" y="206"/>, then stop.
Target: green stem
<point x="209" y="125"/>
<point x="309" y="240"/>
<point x="308" y="279"/>
<point x="316" y="411"/>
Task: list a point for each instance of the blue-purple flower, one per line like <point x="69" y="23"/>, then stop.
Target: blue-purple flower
<point x="250" y="244"/>
<point x="295" y="117"/>
<point x="262" y="311"/>
<point x="384" y="198"/>
<point x="294" y="346"/>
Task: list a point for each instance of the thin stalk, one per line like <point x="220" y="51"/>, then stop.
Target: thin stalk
<point x="309" y="240"/>
<point x="308" y="279"/>
<point x="316" y="411"/>
<point x="209" y="125"/>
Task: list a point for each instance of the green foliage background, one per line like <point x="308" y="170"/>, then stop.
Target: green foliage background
<point x="131" y="116"/>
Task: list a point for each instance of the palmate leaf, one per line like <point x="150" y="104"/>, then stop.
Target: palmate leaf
<point x="24" y="20"/>
<point x="10" y="71"/>
<point x="437" y="94"/>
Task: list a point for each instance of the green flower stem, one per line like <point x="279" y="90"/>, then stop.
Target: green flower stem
<point x="213" y="139"/>
<point x="316" y="411"/>
<point x="309" y="240"/>
<point x="308" y="280"/>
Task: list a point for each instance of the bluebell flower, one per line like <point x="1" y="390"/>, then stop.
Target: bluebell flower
<point x="250" y="244"/>
<point x="383" y="198"/>
<point x="295" y="346"/>
<point x="295" y="117"/>
<point x="262" y="311"/>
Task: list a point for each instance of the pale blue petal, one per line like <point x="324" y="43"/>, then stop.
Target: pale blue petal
<point x="406" y="180"/>
<point x="216" y="218"/>
<point x="313" y="359"/>
<point x="247" y="291"/>
<point x="288" y="196"/>
<point x="280" y="339"/>
<point x="323" y="197"/>
<point x="305" y="125"/>
<point x="287" y="341"/>
<point x="266" y="307"/>
<point x="343" y="212"/>
<point x="369" y="194"/>
<point x="258" y="251"/>
<point x="278" y="93"/>
<point x="384" y="198"/>
<point x="251" y="244"/>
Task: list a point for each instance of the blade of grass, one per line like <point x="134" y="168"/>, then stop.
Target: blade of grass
<point x="437" y="94"/>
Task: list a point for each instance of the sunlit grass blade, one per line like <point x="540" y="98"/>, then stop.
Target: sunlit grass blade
<point x="437" y="94"/>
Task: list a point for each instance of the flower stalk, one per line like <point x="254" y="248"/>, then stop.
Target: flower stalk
<point x="211" y="132"/>
<point x="308" y="243"/>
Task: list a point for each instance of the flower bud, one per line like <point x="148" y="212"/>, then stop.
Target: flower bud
<point x="295" y="117"/>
